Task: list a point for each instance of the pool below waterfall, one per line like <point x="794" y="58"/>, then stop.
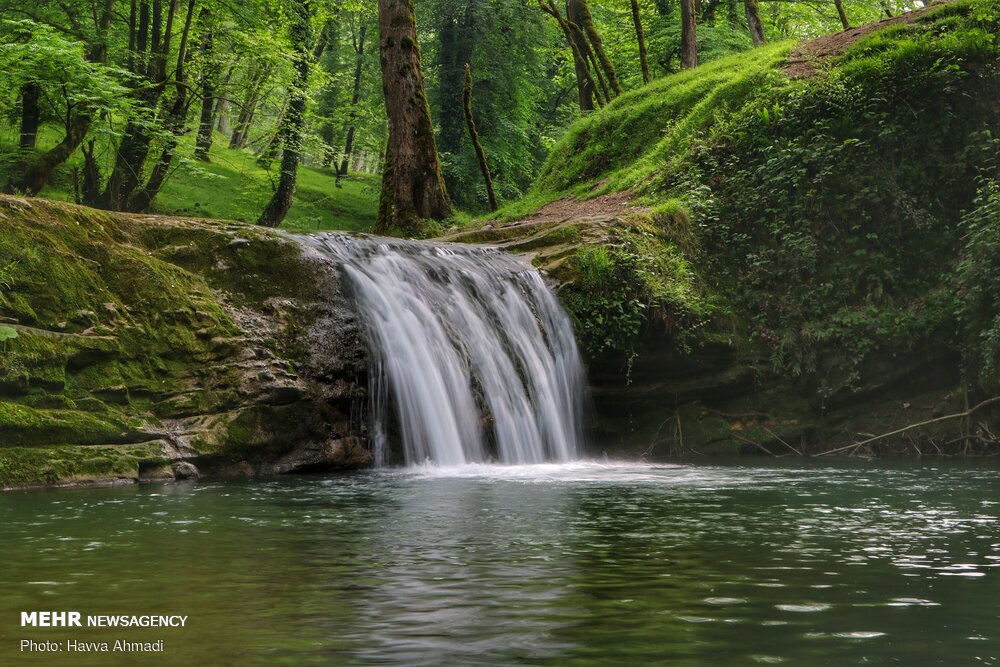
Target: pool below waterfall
<point x="586" y="563"/>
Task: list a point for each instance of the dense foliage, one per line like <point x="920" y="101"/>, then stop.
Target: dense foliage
<point x="835" y="218"/>
<point x="117" y="104"/>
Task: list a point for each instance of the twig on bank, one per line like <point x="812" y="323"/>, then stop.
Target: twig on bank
<point x="958" y="415"/>
<point x="779" y="439"/>
<point x="755" y="444"/>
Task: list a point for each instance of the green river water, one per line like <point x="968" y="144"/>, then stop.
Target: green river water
<point x="580" y="564"/>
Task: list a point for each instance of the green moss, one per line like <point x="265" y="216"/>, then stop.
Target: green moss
<point x="21" y="466"/>
<point x="125" y="320"/>
<point x="637" y="280"/>
<point x="23" y="426"/>
<point x="640" y="134"/>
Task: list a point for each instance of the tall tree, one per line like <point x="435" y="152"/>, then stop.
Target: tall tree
<point x="359" y="51"/>
<point x="641" y="39"/>
<point x="293" y="120"/>
<point x="689" y="35"/>
<point x="597" y="43"/>
<point x="474" y="137"/>
<point x="133" y="149"/>
<point x="586" y="85"/>
<point x="414" y="189"/>
<point x="210" y="71"/>
<point x="142" y="197"/>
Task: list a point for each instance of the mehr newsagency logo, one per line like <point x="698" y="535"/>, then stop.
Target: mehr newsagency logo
<point x="76" y="619"/>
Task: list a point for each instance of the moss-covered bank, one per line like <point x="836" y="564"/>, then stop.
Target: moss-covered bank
<point x="135" y="342"/>
<point x="817" y="258"/>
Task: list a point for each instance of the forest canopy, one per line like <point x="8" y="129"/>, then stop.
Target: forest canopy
<point x="213" y="108"/>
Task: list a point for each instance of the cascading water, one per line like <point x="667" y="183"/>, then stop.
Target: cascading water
<point x="470" y="348"/>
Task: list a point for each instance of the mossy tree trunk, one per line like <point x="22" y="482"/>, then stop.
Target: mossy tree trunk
<point x="604" y="94"/>
<point x="689" y="35"/>
<point x="474" y="136"/>
<point x="293" y="121"/>
<point x="595" y="39"/>
<point x="416" y="189"/>
<point x="641" y="39"/>
<point x="756" y="26"/>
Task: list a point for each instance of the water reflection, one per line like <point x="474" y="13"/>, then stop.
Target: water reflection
<point x="582" y="564"/>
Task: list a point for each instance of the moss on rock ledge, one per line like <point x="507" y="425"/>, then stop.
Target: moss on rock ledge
<point x="142" y="340"/>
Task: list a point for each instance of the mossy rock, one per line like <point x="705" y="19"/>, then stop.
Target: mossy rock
<point x="127" y="324"/>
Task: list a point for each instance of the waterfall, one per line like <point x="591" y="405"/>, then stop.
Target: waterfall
<point x="471" y="352"/>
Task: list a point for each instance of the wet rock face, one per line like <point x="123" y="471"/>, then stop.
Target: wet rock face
<point x="144" y="343"/>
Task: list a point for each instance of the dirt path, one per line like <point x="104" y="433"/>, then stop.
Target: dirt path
<point x="803" y="61"/>
<point x="612" y="204"/>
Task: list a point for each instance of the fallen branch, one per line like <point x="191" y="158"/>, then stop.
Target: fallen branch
<point x="755" y="444"/>
<point x="936" y="420"/>
<point x="779" y="439"/>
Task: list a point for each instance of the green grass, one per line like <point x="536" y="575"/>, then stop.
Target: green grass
<point x="644" y="132"/>
<point x="234" y="187"/>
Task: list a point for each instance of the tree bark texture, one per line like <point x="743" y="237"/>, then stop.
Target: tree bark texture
<point x="754" y="23"/>
<point x="416" y="190"/>
<point x="689" y="35"/>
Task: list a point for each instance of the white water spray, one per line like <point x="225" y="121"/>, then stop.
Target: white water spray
<point x="470" y="348"/>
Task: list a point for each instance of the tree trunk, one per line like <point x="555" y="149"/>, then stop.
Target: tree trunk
<point x="222" y="113"/>
<point x="206" y="122"/>
<point x="689" y="35"/>
<point x="355" y="97"/>
<point x="842" y="14"/>
<point x="474" y="136"/>
<point x="273" y="146"/>
<point x="140" y="199"/>
<point x="595" y="39"/>
<point x="754" y="23"/>
<point x="416" y="190"/>
<point x="91" y="189"/>
<point x="641" y="38"/>
<point x="31" y="116"/>
<point x="242" y="128"/>
<point x="585" y="84"/>
<point x="605" y="93"/>
<point x="241" y="131"/>
<point x="133" y="149"/>
<point x="293" y="120"/>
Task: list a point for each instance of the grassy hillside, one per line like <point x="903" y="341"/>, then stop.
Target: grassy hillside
<point x="234" y="187"/>
<point x="821" y="221"/>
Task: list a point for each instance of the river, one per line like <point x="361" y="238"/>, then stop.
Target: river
<point x="571" y="564"/>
